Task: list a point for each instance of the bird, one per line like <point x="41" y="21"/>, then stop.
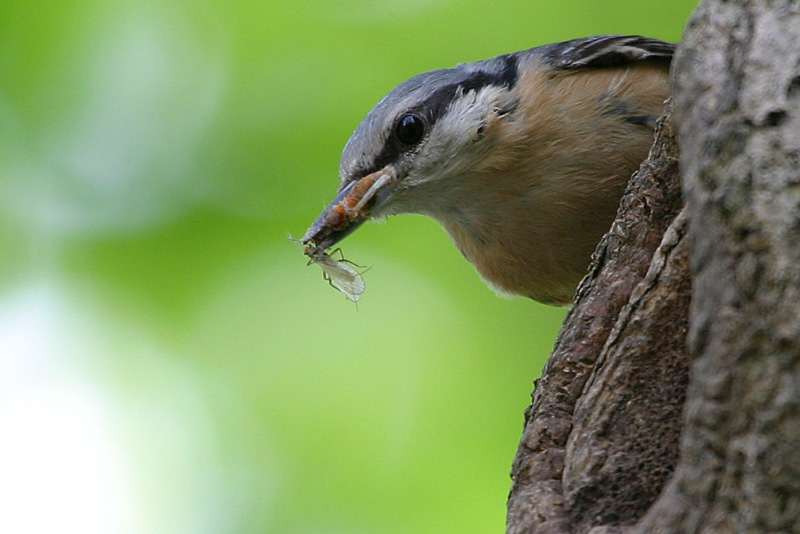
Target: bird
<point x="522" y="158"/>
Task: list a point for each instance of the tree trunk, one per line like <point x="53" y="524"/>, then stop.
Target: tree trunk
<point x="609" y="444"/>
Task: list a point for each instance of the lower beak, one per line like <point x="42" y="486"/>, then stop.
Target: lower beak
<point x="354" y="204"/>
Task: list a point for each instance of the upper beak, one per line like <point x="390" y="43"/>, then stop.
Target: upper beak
<point x="356" y="202"/>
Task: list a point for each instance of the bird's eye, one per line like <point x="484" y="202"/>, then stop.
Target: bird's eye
<point x="410" y="129"/>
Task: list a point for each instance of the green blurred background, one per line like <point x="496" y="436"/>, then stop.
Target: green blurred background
<point x="168" y="363"/>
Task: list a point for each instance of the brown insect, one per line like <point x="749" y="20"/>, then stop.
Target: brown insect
<point x="349" y="209"/>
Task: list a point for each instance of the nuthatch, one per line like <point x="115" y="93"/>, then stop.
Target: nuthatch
<point x="522" y="158"/>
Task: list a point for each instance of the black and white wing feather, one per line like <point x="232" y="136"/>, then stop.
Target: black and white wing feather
<point x="605" y="51"/>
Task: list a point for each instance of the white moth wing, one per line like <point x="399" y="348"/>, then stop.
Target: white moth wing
<point x="342" y="275"/>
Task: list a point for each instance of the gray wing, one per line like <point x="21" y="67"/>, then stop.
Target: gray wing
<point x="605" y="51"/>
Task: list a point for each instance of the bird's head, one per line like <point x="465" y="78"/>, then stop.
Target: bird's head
<point x="425" y="134"/>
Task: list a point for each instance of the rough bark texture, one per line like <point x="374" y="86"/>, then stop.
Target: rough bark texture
<point x="615" y="441"/>
<point x="595" y="411"/>
<point x="738" y="105"/>
<point x="625" y="433"/>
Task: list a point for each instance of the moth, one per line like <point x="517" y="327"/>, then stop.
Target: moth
<point x="339" y="273"/>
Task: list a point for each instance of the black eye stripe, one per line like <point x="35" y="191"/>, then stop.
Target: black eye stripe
<point x="432" y="108"/>
<point x="436" y="105"/>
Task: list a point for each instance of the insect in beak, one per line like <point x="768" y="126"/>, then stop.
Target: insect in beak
<point x="340" y="274"/>
<point x="351" y="208"/>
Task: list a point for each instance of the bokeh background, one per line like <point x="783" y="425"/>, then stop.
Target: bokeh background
<point x="168" y="363"/>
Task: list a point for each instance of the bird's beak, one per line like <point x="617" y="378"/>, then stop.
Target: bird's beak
<point x="356" y="202"/>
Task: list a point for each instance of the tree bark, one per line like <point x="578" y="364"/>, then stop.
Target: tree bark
<point x="614" y="441"/>
<point x="601" y="436"/>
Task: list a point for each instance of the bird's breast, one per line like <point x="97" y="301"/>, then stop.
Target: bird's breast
<point x="523" y="259"/>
